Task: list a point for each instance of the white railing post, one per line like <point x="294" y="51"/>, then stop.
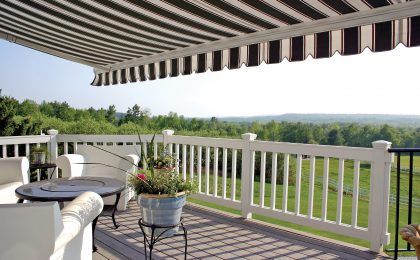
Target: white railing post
<point x="247" y="180"/>
<point x="379" y="195"/>
<point x="166" y="134"/>
<point x="53" y="149"/>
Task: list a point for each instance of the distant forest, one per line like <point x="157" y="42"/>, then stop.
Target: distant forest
<point x="29" y="117"/>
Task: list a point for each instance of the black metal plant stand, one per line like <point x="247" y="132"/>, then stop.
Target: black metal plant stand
<point x="150" y="242"/>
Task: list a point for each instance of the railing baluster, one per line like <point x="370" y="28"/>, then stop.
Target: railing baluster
<point x="297" y="185"/>
<point x="199" y="165"/>
<point x="66" y="148"/>
<point x="192" y="162"/>
<point x="74" y="147"/>
<point x="233" y="180"/>
<point x="252" y="170"/>
<point x="262" y="178"/>
<point x="170" y="151"/>
<point x="4" y="147"/>
<point x="215" y="170"/>
<point x="410" y="195"/>
<point x="325" y="189"/>
<point x="184" y="161"/>
<point x="207" y="170"/>
<point x="27" y="150"/>
<point x="38" y="172"/>
<point x="355" y="203"/>
<point x="16" y="150"/>
<point x="285" y="181"/>
<point x="340" y="190"/>
<point x="177" y="158"/>
<point x="311" y="186"/>
<point x="397" y="206"/>
<point x="224" y="173"/>
<point x="273" y="181"/>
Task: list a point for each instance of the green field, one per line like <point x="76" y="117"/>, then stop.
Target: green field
<point x="363" y="203"/>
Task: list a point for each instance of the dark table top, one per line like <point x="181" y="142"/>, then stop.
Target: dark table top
<point x="67" y="189"/>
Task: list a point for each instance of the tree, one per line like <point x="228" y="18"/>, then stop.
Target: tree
<point x="111" y="114"/>
<point x="334" y="137"/>
<point x="137" y="114"/>
<point x="8" y="108"/>
<point x="27" y="107"/>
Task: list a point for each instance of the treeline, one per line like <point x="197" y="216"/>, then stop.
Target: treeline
<point x="28" y="117"/>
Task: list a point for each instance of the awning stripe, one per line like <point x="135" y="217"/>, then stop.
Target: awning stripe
<point x="63" y="38"/>
<point x="74" y="31"/>
<point x="168" y="18"/>
<point x="414" y="35"/>
<point x="58" y="43"/>
<point x="72" y="18"/>
<point x="304" y="9"/>
<point x="88" y="12"/>
<point x="349" y="41"/>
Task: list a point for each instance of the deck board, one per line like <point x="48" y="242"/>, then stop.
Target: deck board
<point x="216" y="235"/>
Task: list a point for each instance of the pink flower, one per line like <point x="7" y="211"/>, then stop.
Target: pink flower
<point x="141" y="176"/>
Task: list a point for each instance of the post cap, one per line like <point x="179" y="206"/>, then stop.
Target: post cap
<point x="52" y="132"/>
<point x="168" y="132"/>
<point x="249" y="136"/>
<point x="381" y="144"/>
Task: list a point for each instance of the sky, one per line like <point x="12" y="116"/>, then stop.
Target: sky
<point x="369" y="83"/>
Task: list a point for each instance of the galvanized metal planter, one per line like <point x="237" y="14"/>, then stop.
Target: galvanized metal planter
<point x="162" y="210"/>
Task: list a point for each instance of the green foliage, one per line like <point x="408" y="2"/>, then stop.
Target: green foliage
<point x="28" y="117"/>
<point x="159" y="176"/>
<point x="8" y="107"/>
<point x="165" y="182"/>
<point x="13" y="123"/>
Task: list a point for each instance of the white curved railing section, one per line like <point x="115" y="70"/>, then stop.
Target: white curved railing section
<point x="203" y="156"/>
<point x="226" y="175"/>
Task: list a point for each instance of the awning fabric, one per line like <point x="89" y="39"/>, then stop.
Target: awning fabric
<point x="129" y="41"/>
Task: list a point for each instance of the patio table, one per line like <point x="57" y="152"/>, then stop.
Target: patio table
<point x="67" y="189"/>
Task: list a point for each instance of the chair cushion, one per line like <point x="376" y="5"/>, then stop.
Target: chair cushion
<point x="7" y="192"/>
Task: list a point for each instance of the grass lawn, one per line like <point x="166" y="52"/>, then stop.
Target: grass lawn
<point x="363" y="203"/>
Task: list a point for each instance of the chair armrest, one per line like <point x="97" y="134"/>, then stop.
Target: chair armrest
<point x="71" y="165"/>
<point x="14" y="170"/>
<point x="77" y="215"/>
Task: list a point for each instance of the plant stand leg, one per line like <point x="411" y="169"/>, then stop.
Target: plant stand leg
<point x="186" y="240"/>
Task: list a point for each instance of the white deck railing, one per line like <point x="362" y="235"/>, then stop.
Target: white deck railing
<point x="199" y="157"/>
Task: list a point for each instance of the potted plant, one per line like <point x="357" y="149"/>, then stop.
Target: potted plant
<point x="39" y="155"/>
<point x="161" y="194"/>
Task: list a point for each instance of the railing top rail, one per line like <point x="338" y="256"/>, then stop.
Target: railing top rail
<point x="206" y="141"/>
<point x="25" y="139"/>
<point x="353" y="153"/>
<point x="404" y="150"/>
<point x="108" y="138"/>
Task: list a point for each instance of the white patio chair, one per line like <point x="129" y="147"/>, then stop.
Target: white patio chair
<point x="77" y="165"/>
<point x="39" y="231"/>
<point x="13" y="173"/>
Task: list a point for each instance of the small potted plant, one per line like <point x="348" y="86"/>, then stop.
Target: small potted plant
<point x="161" y="194"/>
<point x="39" y="155"/>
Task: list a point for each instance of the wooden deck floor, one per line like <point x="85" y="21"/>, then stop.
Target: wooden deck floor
<point x="216" y="235"/>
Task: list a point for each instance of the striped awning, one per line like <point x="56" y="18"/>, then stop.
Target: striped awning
<point x="133" y="40"/>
